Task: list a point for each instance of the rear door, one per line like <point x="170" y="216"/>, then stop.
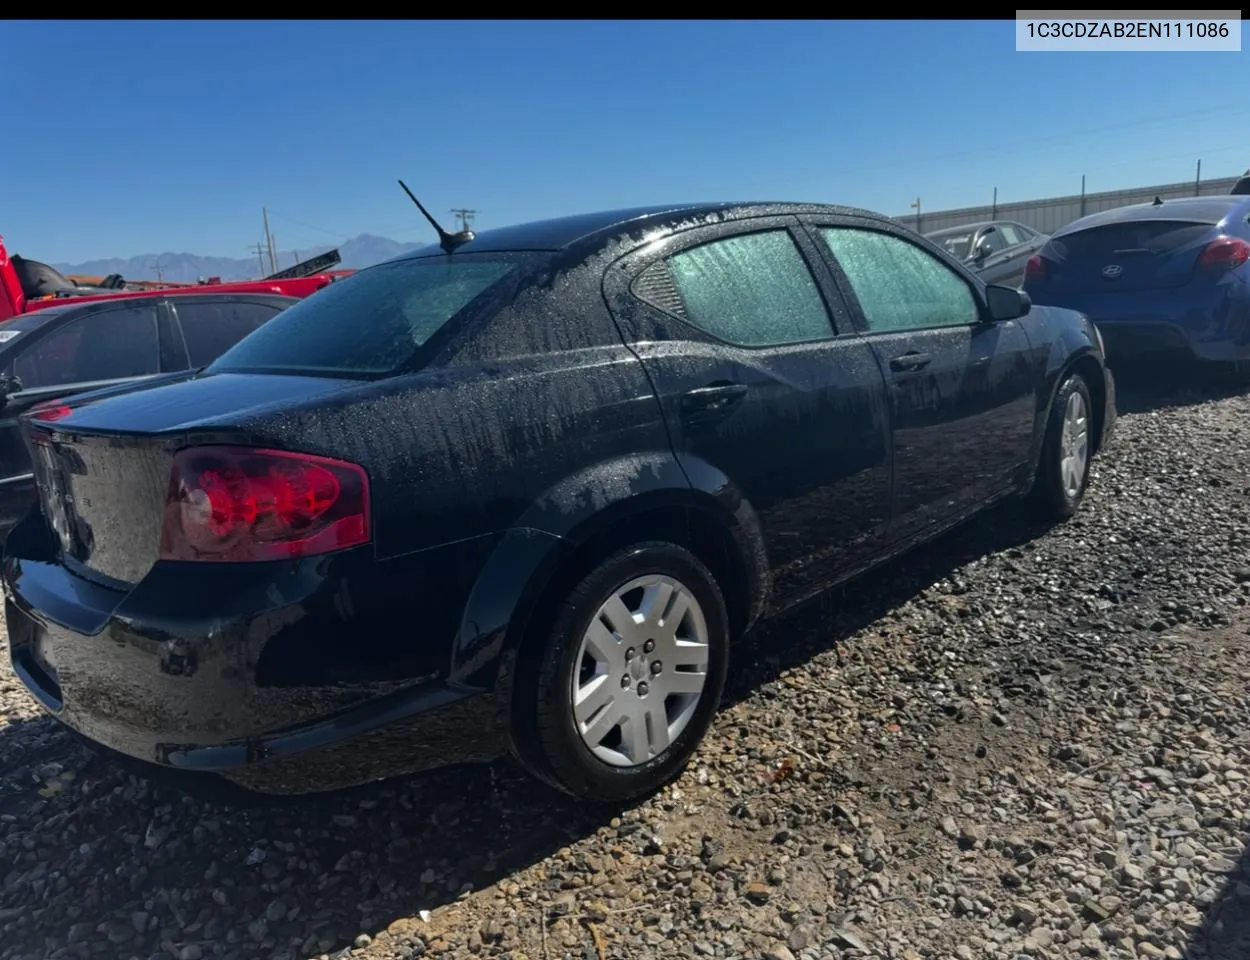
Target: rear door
<point x="962" y="391"/>
<point x="763" y="380"/>
<point x="209" y="326"/>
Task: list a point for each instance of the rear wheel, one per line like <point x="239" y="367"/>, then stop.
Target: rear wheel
<point x="1063" y="470"/>
<point x="631" y="675"/>
<point x="1234" y="373"/>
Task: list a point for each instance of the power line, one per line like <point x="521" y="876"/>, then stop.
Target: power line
<point x="306" y="226"/>
<point x="1012" y="146"/>
<point x="464" y="215"/>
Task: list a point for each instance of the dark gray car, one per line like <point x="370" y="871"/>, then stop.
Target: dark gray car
<point x="996" y="249"/>
<point x="68" y="349"/>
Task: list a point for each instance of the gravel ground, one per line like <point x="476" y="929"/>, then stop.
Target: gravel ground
<point x="1012" y="743"/>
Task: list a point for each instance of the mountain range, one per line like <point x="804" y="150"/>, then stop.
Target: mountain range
<point x="358" y="252"/>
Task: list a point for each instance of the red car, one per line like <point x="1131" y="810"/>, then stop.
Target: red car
<point x="28" y="285"/>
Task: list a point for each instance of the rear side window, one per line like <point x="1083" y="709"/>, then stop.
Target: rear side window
<point x="958" y="245"/>
<point x="371" y="323"/>
<point x="111" y="345"/>
<point x="753" y="290"/>
<point x="1148" y="236"/>
<point x="210" y="329"/>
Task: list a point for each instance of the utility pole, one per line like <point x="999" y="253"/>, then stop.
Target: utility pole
<point x="159" y="268"/>
<point x="465" y="216"/>
<point x="1198" y="180"/>
<point x="259" y="250"/>
<point x="273" y="264"/>
<point x="916" y="206"/>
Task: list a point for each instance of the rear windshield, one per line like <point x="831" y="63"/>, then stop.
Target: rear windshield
<point x="1147" y="236"/>
<point x="958" y="245"/>
<point x="370" y="324"/>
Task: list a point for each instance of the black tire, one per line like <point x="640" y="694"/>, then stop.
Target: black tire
<point x="1050" y="497"/>
<point x="548" y="740"/>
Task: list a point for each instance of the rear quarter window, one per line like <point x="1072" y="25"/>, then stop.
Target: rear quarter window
<point x="371" y="323"/>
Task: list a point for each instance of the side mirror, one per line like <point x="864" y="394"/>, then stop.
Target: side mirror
<point x="1006" y="303"/>
<point x="982" y="251"/>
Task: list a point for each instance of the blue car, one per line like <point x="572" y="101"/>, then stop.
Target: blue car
<point x="1169" y="278"/>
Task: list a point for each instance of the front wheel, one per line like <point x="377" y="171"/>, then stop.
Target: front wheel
<point x="1063" y="470"/>
<point x="631" y="675"/>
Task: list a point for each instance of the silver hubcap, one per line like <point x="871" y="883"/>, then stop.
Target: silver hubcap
<point x="640" y="671"/>
<point x="1074" y="445"/>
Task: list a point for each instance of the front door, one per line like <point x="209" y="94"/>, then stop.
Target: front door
<point x="962" y="389"/>
<point x="764" y="381"/>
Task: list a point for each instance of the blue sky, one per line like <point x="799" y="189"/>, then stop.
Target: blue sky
<point x="150" y="136"/>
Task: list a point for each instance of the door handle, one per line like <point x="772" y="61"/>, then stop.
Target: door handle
<point x="911" y="361"/>
<point x="715" y="398"/>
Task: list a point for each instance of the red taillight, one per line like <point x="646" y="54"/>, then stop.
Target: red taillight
<point x="237" y="504"/>
<point x="56" y="411"/>
<point x="1226" y="253"/>
<point x="1035" y="269"/>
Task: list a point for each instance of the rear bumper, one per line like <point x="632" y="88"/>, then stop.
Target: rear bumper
<point x="1205" y="324"/>
<point x="268" y="678"/>
<point x="1143" y="339"/>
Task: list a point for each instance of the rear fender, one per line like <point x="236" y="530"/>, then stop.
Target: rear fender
<point x="570" y="515"/>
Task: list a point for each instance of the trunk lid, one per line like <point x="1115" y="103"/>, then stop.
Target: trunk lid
<point x="1127" y="256"/>
<point x="103" y="468"/>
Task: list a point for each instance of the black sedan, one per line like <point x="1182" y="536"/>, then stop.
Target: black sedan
<point x="526" y="494"/>
<point x="63" y="350"/>
<point x="998" y="250"/>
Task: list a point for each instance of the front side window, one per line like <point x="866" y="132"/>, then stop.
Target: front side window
<point x="994" y="240"/>
<point x="898" y="285"/>
<point x="1012" y="234"/>
<point x="370" y="324"/>
<point x="753" y="290"/>
<point x="111" y="345"/>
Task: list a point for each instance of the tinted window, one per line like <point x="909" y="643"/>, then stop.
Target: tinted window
<point x="210" y="329"/>
<point x="898" y="285"/>
<point x="994" y="239"/>
<point x="753" y="290"/>
<point x="371" y="323"/>
<point x="101" y="346"/>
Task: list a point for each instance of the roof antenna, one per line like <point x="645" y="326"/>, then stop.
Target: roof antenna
<point x="450" y="242"/>
<point x="1157" y="203"/>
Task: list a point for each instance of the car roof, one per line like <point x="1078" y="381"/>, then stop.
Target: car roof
<point x="1211" y="210"/>
<point x="233" y="295"/>
<point x="565" y="233"/>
